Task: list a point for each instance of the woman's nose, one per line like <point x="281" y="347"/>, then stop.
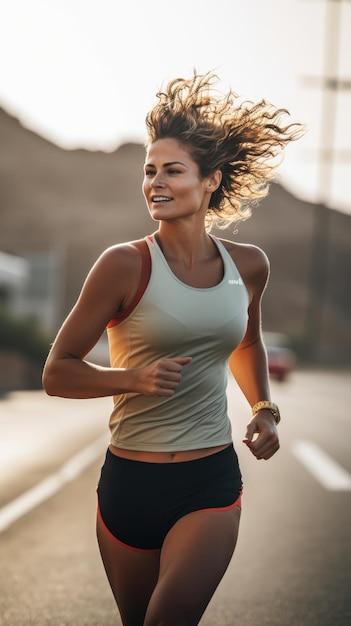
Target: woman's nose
<point x="157" y="180"/>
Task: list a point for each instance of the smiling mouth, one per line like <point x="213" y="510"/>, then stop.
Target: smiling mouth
<point x="156" y="199"/>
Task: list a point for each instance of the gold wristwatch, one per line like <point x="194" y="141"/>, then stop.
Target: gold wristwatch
<point x="266" y="404"/>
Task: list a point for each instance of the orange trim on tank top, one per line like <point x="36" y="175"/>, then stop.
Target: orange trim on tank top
<point x="143" y="282"/>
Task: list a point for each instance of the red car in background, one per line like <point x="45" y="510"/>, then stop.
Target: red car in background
<point x="281" y="358"/>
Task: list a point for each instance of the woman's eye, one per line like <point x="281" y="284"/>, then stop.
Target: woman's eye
<point x="151" y="173"/>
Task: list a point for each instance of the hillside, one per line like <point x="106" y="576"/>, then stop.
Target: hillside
<point x="80" y="202"/>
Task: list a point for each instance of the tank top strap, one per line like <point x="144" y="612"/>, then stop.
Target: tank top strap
<point x="143" y="283"/>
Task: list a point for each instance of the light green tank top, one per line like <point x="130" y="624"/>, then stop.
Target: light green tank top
<point x="172" y="319"/>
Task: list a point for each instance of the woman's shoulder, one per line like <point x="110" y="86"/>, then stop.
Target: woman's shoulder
<point x="119" y="265"/>
<point x="118" y="269"/>
<point x="247" y="253"/>
<point x="252" y="264"/>
<point x="125" y="254"/>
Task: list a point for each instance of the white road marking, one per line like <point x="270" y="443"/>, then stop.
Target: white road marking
<point x="52" y="484"/>
<point x="327" y="471"/>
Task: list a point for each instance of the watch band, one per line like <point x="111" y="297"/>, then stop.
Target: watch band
<point x="266" y="404"/>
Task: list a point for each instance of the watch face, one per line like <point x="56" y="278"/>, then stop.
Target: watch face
<point x="276" y="416"/>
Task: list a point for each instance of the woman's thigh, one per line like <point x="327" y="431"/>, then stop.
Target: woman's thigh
<point x="194" y="558"/>
<point x="132" y="575"/>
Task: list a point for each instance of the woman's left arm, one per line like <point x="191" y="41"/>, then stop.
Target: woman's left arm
<point x="248" y="363"/>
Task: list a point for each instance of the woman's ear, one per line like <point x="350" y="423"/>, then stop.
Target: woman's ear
<point x="214" y="180"/>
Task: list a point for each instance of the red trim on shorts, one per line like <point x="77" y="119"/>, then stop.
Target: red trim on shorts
<point x="143" y="282"/>
<point x="236" y="504"/>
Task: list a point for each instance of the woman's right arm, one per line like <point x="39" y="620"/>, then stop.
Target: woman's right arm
<point x="66" y="373"/>
<point x="110" y="286"/>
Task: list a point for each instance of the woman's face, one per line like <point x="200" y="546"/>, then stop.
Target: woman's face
<point x="172" y="186"/>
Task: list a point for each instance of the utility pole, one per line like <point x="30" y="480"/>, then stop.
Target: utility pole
<point x="331" y="85"/>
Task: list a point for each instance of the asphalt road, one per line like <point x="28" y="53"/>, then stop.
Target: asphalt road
<point x="292" y="565"/>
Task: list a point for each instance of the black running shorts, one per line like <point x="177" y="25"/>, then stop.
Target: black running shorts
<point x="139" y="502"/>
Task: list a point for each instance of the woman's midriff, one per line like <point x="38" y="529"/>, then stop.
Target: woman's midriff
<point x="165" y="457"/>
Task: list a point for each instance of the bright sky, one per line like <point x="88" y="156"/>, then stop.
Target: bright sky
<point x="83" y="73"/>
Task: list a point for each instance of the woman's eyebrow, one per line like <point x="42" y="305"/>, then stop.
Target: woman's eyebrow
<point x="167" y="164"/>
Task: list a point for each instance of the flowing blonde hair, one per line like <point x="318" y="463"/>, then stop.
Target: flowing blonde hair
<point x="244" y="141"/>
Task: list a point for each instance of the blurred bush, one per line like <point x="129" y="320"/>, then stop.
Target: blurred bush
<point x="23" y="349"/>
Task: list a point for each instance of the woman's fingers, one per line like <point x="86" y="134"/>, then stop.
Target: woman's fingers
<point x="162" y="377"/>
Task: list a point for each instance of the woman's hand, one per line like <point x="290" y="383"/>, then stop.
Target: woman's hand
<point x="267" y="441"/>
<point x="162" y="377"/>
